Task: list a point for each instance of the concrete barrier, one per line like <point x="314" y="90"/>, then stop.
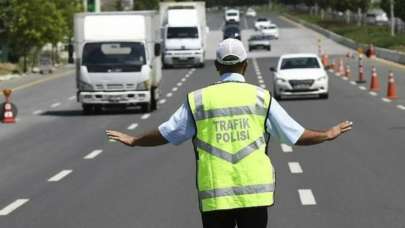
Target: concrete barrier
<point x="394" y="56"/>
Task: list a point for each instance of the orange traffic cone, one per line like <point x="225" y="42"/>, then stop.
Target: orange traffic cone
<point x="8" y="116"/>
<point x="375" y="82"/>
<point x="348" y="72"/>
<point x="325" y="60"/>
<point x="392" y="87"/>
<point x="342" y="70"/>
<point x="361" y="74"/>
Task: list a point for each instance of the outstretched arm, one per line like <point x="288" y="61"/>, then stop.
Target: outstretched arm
<point x="152" y="138"/>
<point x="311" y="137"/>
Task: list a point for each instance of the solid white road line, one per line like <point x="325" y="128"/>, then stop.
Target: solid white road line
<point x="174" y="89"/>
<point x="353" y="83"/>
<point x="37" y="112"/>
<point x="132" y="126"/>
<point x="72" y="98"/>
<point x="169" y="94"/>
<point x="60" y="175"/>
<point x="306" y="197"/>
<point x="162" y="101"/>
<point x="145" y="116"/>
<point x="54" y="105"/>
<point x="93" y="154"/>
<point x="372" y="93"/>
<point x="13" y="206"/>
<point x="362" y="88"/>
<point x="401" y="107"/>
<point x="386" y="100"/>
<point x="286" y="148"/>
<point x="295" y="167"/>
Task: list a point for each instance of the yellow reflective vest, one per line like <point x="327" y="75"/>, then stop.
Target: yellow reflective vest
<point x="233" y="169"/>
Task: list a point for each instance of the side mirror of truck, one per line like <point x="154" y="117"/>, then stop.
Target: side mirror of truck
<point x="157" y="49"/>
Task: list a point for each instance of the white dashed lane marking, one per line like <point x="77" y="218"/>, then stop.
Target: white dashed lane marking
<point x="306" y="197"/>
<point x="162" y="101"/>
<point x="54" y="105"/>
<point x="174" y="89"/>
<point x="179" y="84"/>
<point x="295" y="167"/>
<point x="373" y="93"/>
<point x="72" y="98"/>
<point x="145" y="116"/>
<point x="13" y="206"/>
<point x="169" y="95"/>
<point x="59" y="176"/>
<point x="362" y="88"/>
<point x="93" y="154"/>
<point x="286" y="148"/>
<point x="353" y="83"/>
<point x="386" y="100"/>
<point x="37" y="112"/>
<point x="183" y="79"/>
<point x="401" y="107"/>
<point x="263" y="86"/>
<point x="132" y="126"/>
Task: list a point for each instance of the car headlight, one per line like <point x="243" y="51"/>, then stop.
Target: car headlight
<point x="322" y="78"/>
<point x="281" y="80"/>
<point x="85" y="87"/>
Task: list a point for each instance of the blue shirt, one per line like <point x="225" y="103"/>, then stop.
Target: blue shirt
<point x="181" y="127"/>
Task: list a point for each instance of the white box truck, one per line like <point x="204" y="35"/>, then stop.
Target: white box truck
<point x="184" y="30"/>
<point x="117" y="59"/>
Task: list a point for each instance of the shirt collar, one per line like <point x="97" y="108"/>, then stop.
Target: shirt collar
<point x="232" y="77"/>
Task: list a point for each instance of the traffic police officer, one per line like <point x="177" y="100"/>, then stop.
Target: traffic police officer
<point x="230" y="123"/>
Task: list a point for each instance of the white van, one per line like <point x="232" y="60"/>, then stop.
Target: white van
<point x="232" y="16"/>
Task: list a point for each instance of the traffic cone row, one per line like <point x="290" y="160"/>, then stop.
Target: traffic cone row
<point x="375" y="82"/>
<point x="361" y="74"/>
<point x="348" y="72"/>
<point x="392" y="87"/>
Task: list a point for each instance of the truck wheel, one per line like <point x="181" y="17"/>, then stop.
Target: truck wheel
<point x="87" y="109"/>
<point x="201" y="65"/>
<point x="324" y="96"/>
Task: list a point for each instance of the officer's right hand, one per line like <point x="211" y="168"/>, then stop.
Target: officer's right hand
<point x="339" y="129"/>
<point x="120" y="137"/>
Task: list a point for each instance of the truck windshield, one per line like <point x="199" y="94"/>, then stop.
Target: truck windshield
<point x="114" y="56"/>
<point x="182" y="32"/>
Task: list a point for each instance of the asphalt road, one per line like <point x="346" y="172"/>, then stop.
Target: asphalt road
<point x="57" y="169"/>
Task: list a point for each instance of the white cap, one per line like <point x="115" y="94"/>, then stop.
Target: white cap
<point x="231" y="51"/>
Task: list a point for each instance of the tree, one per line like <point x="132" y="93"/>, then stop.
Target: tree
<point x="399" y="8"/>
<point x="31" y="24"/>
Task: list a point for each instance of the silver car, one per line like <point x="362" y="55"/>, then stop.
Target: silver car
<point x="45" y="66"/>
<point x="260" y="41"/>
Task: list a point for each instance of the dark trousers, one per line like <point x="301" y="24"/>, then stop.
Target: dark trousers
<point x="253" y="217"/>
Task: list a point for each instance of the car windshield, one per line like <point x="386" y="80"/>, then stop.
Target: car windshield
<point x="114" y="53"/>
<point x="260" y="38"/>
<point x="261" y="19"/>
<point x="182" y="32"/>
<point x="296" y="63"/>
<point x="232" y="14"/>
<point x="272" y="27"/>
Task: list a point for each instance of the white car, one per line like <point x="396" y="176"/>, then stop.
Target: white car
<point x="250" y="12"/>
<point x="271" y="30"/>
<point x="262" y="22"/>
<point x="300" y="75"/>
<point x="232" y="15"/>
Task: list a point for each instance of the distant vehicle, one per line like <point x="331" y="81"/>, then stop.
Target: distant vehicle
<point x="376" y="16"/>
<point x="232" y="16"/>
<point x="260" y="41"/>
<point x="184" y="29"/>
<point x="271" y="30"/>
<point x="250" y="12"/>
<point x="232" y="31"/>
<point x="45" y="66"/>
<point x="300" y="75"/>
<point x="117" y="59"/>
<point x="262" y="22"/>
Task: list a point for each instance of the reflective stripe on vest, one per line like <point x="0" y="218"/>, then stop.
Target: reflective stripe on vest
<point x="234" y="191"/>
<point x="201" y="114"/>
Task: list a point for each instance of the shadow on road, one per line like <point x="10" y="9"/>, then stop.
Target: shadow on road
<point x="78" y="113"/>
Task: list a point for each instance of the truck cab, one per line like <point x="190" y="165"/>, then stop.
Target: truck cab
<point x="118" y="61"/>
